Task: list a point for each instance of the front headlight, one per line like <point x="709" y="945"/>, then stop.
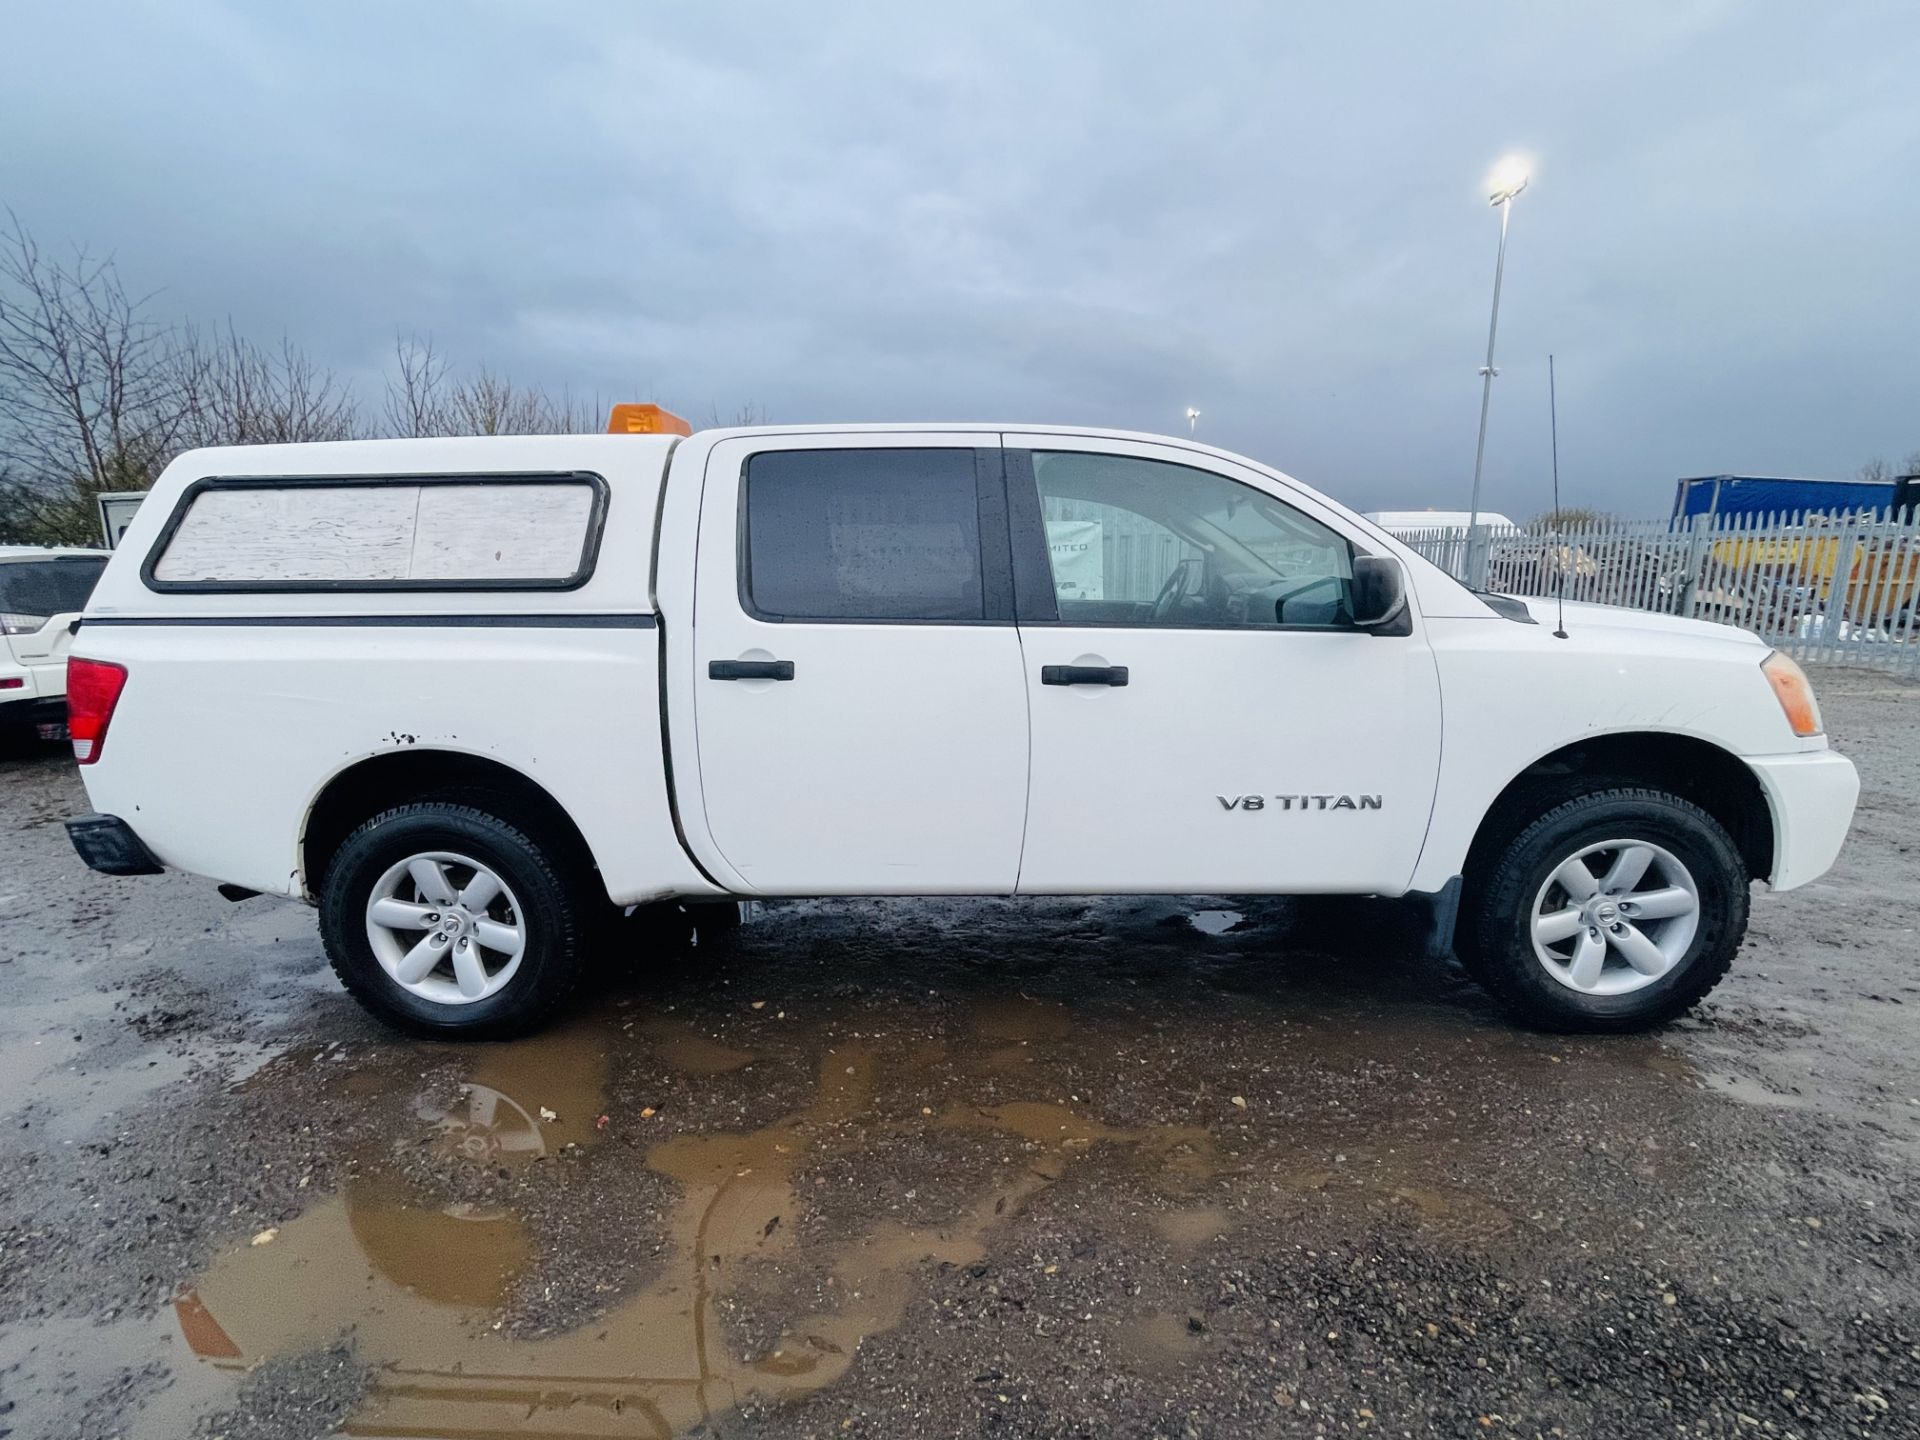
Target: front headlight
<point x="1794" y="692"/>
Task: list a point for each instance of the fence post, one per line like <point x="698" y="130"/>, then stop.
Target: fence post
<point x="1479" y="548"/>
<point x="1840" y="590"/>
<point x="1701" y="526"/>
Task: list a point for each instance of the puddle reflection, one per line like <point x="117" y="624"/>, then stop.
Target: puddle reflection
<point x="756" y="1239"/>
<point x="419" y="1285"/>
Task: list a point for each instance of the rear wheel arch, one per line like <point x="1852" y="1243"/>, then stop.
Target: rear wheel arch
<point x="1695" y="770"/>
<point x="383" y="782"/>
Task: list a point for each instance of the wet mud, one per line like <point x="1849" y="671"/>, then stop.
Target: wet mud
<point x="1208" y="1166"/>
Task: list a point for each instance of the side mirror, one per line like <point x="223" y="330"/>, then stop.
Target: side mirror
<point x="1380" y="596"/>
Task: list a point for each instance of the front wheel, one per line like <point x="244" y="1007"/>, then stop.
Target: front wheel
<point x="1617" y="910"/>
<point x="446" y="919"/>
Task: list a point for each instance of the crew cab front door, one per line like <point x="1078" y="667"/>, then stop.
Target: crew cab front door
<point x="1205" y="715"/>
<point x="861" y="709"/>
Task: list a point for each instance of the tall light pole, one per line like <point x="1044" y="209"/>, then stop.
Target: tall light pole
<point x="1508" y="180"/>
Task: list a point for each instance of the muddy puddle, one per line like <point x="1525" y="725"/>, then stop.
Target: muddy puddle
<point x="814" y="1176"/>
<point x="754" y="1296"/>
<point x="418" y="1282"/>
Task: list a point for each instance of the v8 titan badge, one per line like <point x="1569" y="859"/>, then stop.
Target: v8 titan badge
<point x="1299" y="802"/>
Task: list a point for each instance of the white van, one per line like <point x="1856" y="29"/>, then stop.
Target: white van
<point x="1416" y="522"/>
<point x="469" y="697"/>
<point x="43" y="589"/>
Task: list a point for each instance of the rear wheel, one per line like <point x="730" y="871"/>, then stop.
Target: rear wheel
<point x="1613" y="911"/>
<point x="446" y="919"/>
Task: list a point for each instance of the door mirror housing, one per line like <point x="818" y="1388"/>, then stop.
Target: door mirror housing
<point x="1380" y="596"/>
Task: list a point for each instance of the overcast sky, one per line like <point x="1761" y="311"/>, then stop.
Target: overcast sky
<point x="1092" y="213"/>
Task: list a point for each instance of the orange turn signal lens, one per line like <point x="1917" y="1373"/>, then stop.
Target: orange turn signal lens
<point x="1794" y="692"/>
<point x="632" y="419"/>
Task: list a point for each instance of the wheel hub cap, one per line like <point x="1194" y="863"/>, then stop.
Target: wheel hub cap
<point x="1615" y="917"/>
<point x="446" y="928"/>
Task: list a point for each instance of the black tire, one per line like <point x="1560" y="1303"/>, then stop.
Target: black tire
<point x="551" y="911"/>
<point x="1496" y="936"/>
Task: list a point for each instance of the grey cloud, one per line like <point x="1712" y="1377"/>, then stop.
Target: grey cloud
<point x="1088" y="212"/>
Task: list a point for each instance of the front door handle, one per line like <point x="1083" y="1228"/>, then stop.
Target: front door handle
<point x="1083" y="675"/>
<point x="749" y="669"/>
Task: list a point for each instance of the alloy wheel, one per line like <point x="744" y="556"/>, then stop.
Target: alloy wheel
<point x="1615" y="917"/>
<point x="446" y="927"/>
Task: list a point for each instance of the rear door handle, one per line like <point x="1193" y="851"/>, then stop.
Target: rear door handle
<point x="1083" y="675"/>
<point x="749" y="669"/>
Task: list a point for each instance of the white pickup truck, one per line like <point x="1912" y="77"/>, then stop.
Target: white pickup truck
<point x="473" y="697"/>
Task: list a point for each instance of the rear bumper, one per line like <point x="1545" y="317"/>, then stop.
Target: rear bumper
<point x="107" y="843"/>
<point x="35" y="710"/>
<point x="1812" y="798"/>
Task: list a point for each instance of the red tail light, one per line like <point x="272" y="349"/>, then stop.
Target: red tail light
<point x="93" y="689"/>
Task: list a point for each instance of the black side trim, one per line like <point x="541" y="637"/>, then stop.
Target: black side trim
<point x="1506" y="607"/>
<point x="589" y="549"/>
<point x="481" y="622"/>
<point x="107" y="843"/>
<point x="996" y="547"/>
<point x="1035" y="601"/>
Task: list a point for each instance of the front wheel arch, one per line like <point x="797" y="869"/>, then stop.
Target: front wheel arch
<point x="1694" y="770"/>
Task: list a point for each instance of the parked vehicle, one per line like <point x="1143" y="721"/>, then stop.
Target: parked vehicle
<point x="1413" y="522"/>
<point x="1882" y="574"/>
<point x="471" y="697"/>
<point x="1713" y="496"/>
<point x="117" y="509"/>
<point x="42" y="592"/>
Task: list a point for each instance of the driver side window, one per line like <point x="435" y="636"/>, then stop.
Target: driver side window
<point x="1145" y="542"/>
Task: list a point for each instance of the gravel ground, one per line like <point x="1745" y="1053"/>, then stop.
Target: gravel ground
<point x="1200" y="1167"/>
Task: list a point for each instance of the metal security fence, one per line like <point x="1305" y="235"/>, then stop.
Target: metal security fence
<point x="1838" y="590"/>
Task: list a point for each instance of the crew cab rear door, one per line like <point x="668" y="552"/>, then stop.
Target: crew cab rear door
<point x="861" y="706"/>
<point x="1205" y="716"/>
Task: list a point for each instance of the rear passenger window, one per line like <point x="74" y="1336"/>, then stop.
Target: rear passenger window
<point x="368" y="533"/>
<point x="862" y="535"/>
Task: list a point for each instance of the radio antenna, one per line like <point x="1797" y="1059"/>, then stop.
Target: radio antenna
<point x="1560" y="560"/>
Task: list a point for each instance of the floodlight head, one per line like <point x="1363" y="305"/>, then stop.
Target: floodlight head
<point x="1509" y="178"/>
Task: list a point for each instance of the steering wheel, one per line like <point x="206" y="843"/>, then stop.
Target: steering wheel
<point x="1173" y="591"/>
<point x="1280" y="601"/>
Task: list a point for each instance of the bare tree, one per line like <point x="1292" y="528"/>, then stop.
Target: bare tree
<point x="98" y="394"/>
<point x="36" y="514"/>
<point x="1875" y="472"/>
<point x="489" y="403"/>
<point x="234" y="392"/>
<point x="1568" y="517"/>
<point x="751" y="412"/>
<point x="425" y="397"/>
<point x="416" y="396"/>
<point x="88" y="400"/>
